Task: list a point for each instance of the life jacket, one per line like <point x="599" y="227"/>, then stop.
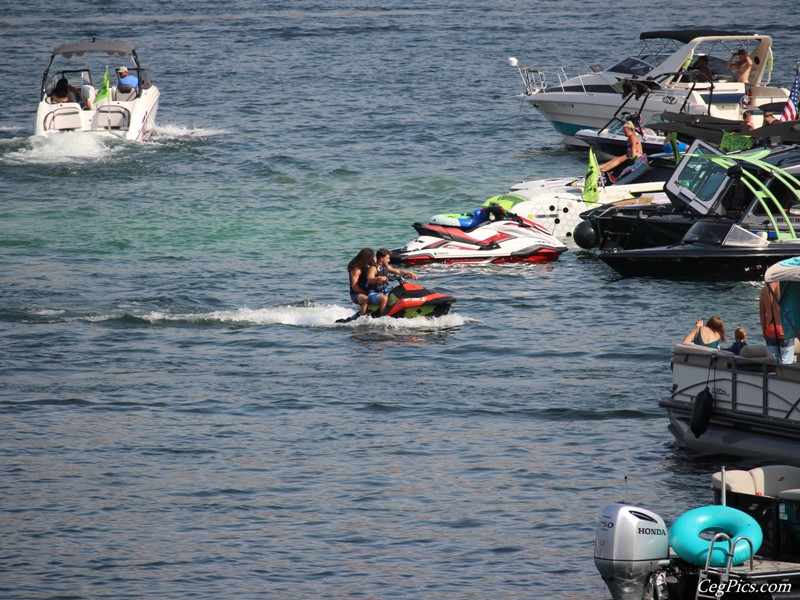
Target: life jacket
<point x="361" y="282"/>
<point x="380" y="271"/>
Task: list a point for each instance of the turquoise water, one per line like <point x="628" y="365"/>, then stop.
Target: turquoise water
<point x="181" y="415"/>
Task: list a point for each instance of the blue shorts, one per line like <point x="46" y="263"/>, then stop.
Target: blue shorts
<point x="373" y="296"/>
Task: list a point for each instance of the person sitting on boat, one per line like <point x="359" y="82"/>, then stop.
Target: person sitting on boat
<point x="769" y="314"/>
<point x="126" y="79"/>
<point x="747" y="122"/>
<point x="64" y="92"/>
<point x="708" y="335"/>
<point x="704" y="71"/>
<point x="742" y="65"/>
<point x="378" y="279"/>
<point x="633" y="153"/>
<point x="357" y="270"/>
<point x="741" y="341"/>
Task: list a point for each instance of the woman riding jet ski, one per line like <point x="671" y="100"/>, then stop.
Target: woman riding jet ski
<point x="407" y="301"/>
<point x="490" y="234"/>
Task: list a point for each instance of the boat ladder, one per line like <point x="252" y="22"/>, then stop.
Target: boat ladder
<point x="724" y="575"/>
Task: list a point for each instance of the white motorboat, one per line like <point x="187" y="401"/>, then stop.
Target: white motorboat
<point x="97" y="103"/>
<point x="743" y="405"/>
<point x="589" y="101"/>
<point x="557" y="203"/>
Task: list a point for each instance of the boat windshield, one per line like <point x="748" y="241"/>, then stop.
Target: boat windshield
<point x="633" y="66"/>
<point x="76" y="77"/>
<point x="698" y="182"/>
<point x="722" y="234"/>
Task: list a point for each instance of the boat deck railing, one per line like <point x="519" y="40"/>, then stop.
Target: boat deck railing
<point x="536" y="80"/>
<point x="756" y="386"/>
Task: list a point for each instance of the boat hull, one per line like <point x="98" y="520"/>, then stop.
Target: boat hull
<point x="569" y="112"/>
<point x="133" y="120"/>
<point x="755" y="409"/>
<point x="694" y="263"/>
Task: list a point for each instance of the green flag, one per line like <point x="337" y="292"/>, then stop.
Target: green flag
<point x="673" y="141"/>
<point x="590" y="192"/>
<point x="734" y="141"/>
<point x="102" y="91"/>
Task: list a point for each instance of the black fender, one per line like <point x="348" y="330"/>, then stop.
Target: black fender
<point x="701" y="412"/>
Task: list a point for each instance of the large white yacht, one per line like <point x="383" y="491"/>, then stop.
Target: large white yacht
<point x="667" y="61"/>
<point x="107" y="107"/>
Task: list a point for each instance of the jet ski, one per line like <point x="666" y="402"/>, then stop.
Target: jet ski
<point x="490" y="234"/>
<point x="408" y="300"/>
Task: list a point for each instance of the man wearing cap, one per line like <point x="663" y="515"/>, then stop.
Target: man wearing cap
<point x="742" y="66"/>
<point x="125" y="79"/>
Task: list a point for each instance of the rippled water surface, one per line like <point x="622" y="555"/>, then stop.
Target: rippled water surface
<point x="182" y="417"/>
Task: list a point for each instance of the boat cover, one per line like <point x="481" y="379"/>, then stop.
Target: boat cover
<point x="687" y="35"/>
<point x="119" y="48"/>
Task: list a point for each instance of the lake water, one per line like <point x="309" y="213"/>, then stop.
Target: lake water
<point x="181" y="416"/>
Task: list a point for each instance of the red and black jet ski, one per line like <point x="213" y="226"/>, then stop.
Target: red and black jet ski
<point x="408" y="300"/>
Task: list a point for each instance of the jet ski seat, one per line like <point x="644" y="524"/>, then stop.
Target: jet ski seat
<point x="464" y="221"/>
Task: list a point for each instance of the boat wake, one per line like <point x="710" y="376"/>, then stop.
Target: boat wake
<point x="64" y="149"/>
<point x="301" y="315"/>
<point x="79" y="148"/>
<point x="172" y="131"/>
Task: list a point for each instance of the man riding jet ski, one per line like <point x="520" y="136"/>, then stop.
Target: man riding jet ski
<point x="490" y="234"/>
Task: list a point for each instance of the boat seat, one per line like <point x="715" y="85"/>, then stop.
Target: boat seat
<point x="758" y="351"/>
<point x="773" y="479"/>
<point x="740" y="482"/>
<point x="125" y="93"/>
<point x="789" y="494"/>
<point x="63" y="119"/>
<point x="112" y="117"/>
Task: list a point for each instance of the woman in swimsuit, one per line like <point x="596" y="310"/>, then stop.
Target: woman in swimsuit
<point x="357" y="270"/>
<point x="633" y="153"/>
<point x="709" y="335"/>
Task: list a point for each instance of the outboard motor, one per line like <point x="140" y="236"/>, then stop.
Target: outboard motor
<point x="630" y="544"/>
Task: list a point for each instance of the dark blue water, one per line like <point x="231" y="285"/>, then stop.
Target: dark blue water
<point x="182" y="418"/>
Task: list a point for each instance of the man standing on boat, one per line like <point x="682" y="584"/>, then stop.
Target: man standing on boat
<point x="742" y="66"/>
<point x="769" y="313"/>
